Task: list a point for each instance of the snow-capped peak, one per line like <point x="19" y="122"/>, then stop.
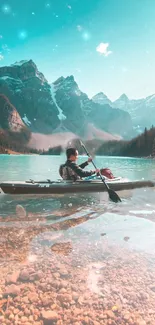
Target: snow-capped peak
<point x="66" y="83"/>
<point x="20" y="63"/>
<point x="123" y="97"/>
<point x="100" y="95"/>
<point x="101" y="99"/>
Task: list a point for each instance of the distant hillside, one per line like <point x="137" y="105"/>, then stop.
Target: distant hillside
<point x="141" y="146"/>
<point x="15" y="141"/>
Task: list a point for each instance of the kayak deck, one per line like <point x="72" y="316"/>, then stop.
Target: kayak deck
<point x="62" y="187"/>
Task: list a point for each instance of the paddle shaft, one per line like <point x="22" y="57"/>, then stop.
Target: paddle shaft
<point x="95" y="167"/>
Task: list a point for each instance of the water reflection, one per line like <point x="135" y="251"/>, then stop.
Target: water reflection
<point x="45" y="204"/>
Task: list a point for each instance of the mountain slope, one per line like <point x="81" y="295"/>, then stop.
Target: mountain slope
<point x="142" y="111"/>
<point x="79" y="110"/>
<point x="9" y="117"/>
<point x="101" y="99"/>
<point x="30" y="93"/>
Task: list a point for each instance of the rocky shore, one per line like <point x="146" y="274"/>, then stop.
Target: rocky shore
<point x="57" y="274"/>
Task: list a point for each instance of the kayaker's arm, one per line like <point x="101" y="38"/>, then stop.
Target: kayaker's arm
<point x="83" y="165"/>
<point x="79" y="171"/>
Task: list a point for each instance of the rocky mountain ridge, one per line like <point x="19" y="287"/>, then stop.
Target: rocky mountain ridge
<point x="59" y="107"/>
<point x="142" y="111"/>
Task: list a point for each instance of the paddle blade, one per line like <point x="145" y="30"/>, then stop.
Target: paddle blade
<point x="114" y="196"/>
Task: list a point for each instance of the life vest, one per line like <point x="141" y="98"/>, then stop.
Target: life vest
<point x="67" y="173"/>
<point x="61" y="170"/>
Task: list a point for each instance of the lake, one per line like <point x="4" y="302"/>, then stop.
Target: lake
<point x="77" y="259"/>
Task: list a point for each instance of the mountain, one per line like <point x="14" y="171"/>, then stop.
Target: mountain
<point x="95" y="133"/>
<point x="9" y="117"/>
<point x="14" y="134"/>
<point x="72" y="104"/>
<point x="59" y="107"/>
<point x="122" y="102"/>
<point x="101" y="99"/>
<point x="29" y="91"/>
<point x="142" y="111"/>
<point x="80" y="111"/>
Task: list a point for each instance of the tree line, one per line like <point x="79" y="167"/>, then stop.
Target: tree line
<point x="15" y="141"/>
<point x="141" y="146"/>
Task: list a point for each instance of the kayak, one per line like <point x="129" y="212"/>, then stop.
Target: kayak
<point x="63" y="187"/>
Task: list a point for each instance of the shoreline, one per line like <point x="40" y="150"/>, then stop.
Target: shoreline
<point x="12" y="152"/>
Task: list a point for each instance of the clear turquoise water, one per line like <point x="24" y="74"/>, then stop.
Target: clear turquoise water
<point x="24" y="167"/>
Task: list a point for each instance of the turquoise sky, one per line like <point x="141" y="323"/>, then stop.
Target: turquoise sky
<point x="108" y="45"/>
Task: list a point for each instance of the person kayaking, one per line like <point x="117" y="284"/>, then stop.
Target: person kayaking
<point x="71" y="170"/>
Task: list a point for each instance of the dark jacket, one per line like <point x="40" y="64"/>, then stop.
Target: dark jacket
<point x="71" y="171"/>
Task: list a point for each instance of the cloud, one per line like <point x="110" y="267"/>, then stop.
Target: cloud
<point x="102" y="48"/>
<point x="1" y="57"/>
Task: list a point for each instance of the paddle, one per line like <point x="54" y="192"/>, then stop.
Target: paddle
<point x="112" y="194"/>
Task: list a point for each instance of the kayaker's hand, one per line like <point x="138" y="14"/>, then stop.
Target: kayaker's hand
<point x="90" y="160"/>
<point x="97" y="171"/>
